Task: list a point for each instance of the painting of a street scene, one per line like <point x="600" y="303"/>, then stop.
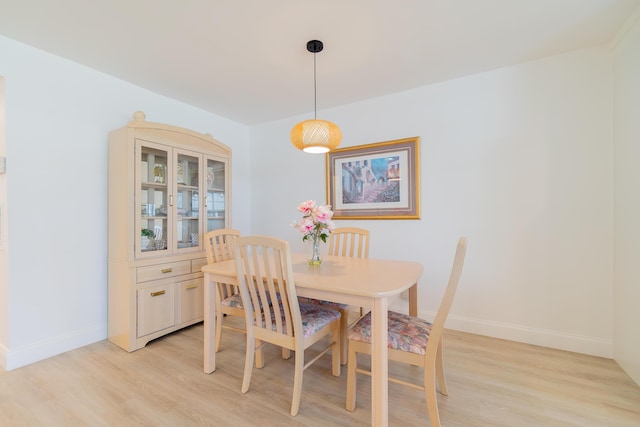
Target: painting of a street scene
<point x="371" y="180"/>
<point x="375" y="181"/>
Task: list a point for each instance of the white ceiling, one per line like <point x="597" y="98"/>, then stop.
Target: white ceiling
<point x="247" y="60"/>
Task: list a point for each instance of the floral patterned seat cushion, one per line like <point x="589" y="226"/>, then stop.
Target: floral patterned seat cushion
<point x="405" y="332"/>
<point x="327" y="304"/>
<point x="234" y="301"/>
<point x="313" y="316"/>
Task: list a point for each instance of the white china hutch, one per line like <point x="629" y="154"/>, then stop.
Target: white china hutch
<point x="167" y="186"/>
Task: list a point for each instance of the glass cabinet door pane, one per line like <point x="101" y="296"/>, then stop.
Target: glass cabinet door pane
<point x="188" y="201"/>
<point x="153" y="199"/>
<point x="216" y="203"/>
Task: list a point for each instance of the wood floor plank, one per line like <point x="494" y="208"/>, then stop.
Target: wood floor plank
<point x="491" y="383"/>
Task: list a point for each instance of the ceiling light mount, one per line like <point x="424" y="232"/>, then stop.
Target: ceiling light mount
<point x="315" y="46"/>
<point x="315" y="136"/>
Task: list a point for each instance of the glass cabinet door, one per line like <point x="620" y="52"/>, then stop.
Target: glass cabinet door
<point x="216" y="203"/>
<point x="187" y="201"/>
<point x="153" y="197"/>
<point x="180" y="195"/>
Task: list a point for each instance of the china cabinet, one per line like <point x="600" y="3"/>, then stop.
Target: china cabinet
<point x="167" y="187"/>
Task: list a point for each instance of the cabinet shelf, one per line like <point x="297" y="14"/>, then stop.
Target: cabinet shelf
<point x="187" y="245"/>
<point x="187" y="187"/>
<point x="153" y="185"/>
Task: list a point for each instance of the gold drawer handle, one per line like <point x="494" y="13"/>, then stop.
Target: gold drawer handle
<point x="157" y="294"/>
<point x="192" y="286"/>
<point x="165" y="270"/>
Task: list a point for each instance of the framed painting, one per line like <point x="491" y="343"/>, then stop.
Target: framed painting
<point x="375" y="181"/>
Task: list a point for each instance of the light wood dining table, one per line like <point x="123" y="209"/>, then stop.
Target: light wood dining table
<point x="361" y="282"/>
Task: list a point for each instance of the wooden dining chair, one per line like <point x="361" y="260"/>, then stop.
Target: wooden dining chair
<point x="410" y="340"/>
<point x="219" y="245"/>
<point x="349" y="241"/>
<point x="346" y="242"/>
<point x="265" y="275"/>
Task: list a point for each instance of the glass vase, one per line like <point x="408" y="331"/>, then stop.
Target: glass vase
<point x="315" y="252"/>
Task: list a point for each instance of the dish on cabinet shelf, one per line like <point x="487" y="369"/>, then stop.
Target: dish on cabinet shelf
<point x="211" y="176"/>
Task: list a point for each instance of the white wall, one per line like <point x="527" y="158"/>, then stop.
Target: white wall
<point x="58" y="115"/>
<point x="4" y="300"/>
<point x="627" y="200"/>
<point x="518" y="159"/>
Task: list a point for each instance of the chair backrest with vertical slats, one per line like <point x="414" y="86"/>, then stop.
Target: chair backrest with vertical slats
<point x="265" y="275"/>
<point x="349" y="242"/>
<point x="219" y="244"/>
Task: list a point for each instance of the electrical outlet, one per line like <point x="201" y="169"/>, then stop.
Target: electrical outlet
<point x="404" y="295"/>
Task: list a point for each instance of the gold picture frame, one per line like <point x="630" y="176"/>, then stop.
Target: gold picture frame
<point x="375" y="181"/>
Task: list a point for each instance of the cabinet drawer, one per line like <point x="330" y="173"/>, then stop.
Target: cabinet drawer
<point x="190" y="300"/>
<point x="155" y="309"/>
<point x="162" y="271"/>
<point x="197" y="264"/>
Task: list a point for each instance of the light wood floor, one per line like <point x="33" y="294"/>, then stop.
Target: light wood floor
<point x="491" y="383"/>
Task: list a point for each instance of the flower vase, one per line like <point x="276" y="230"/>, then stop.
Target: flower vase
<point x="315" y="254"/>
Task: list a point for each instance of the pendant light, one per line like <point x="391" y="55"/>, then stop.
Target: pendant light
<point x="315" y="136"/>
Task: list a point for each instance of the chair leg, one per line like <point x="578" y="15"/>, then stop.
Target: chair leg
<point x="259" y="354"/>
<point x="351" y="378"/>
<point x="430" y="394"/>
<point x="219" y="320"/>
<point x="248" y="362"/>
<point x="336" y="350"/>
<point x="297" y="381"/>
<point x="442" y="382"/>
<point x="344" y="337"/>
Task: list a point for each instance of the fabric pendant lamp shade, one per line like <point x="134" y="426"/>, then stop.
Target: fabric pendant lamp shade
<point x="316" y="136"/>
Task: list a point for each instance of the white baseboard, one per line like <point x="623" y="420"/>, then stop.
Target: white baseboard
<point x="18" y="357"/>
<point x="593" y="346"/>
<point x="3" y="357"/>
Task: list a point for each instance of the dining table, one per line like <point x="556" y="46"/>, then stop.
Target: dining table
<point x="361" y="282"/>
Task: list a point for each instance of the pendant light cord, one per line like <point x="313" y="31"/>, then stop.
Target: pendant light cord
<point x="315" y="90"/>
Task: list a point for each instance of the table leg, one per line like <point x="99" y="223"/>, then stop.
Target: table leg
<point x="209" y="324"/>
<point x="413" y="300"/>
<point x="379" y="363"/>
